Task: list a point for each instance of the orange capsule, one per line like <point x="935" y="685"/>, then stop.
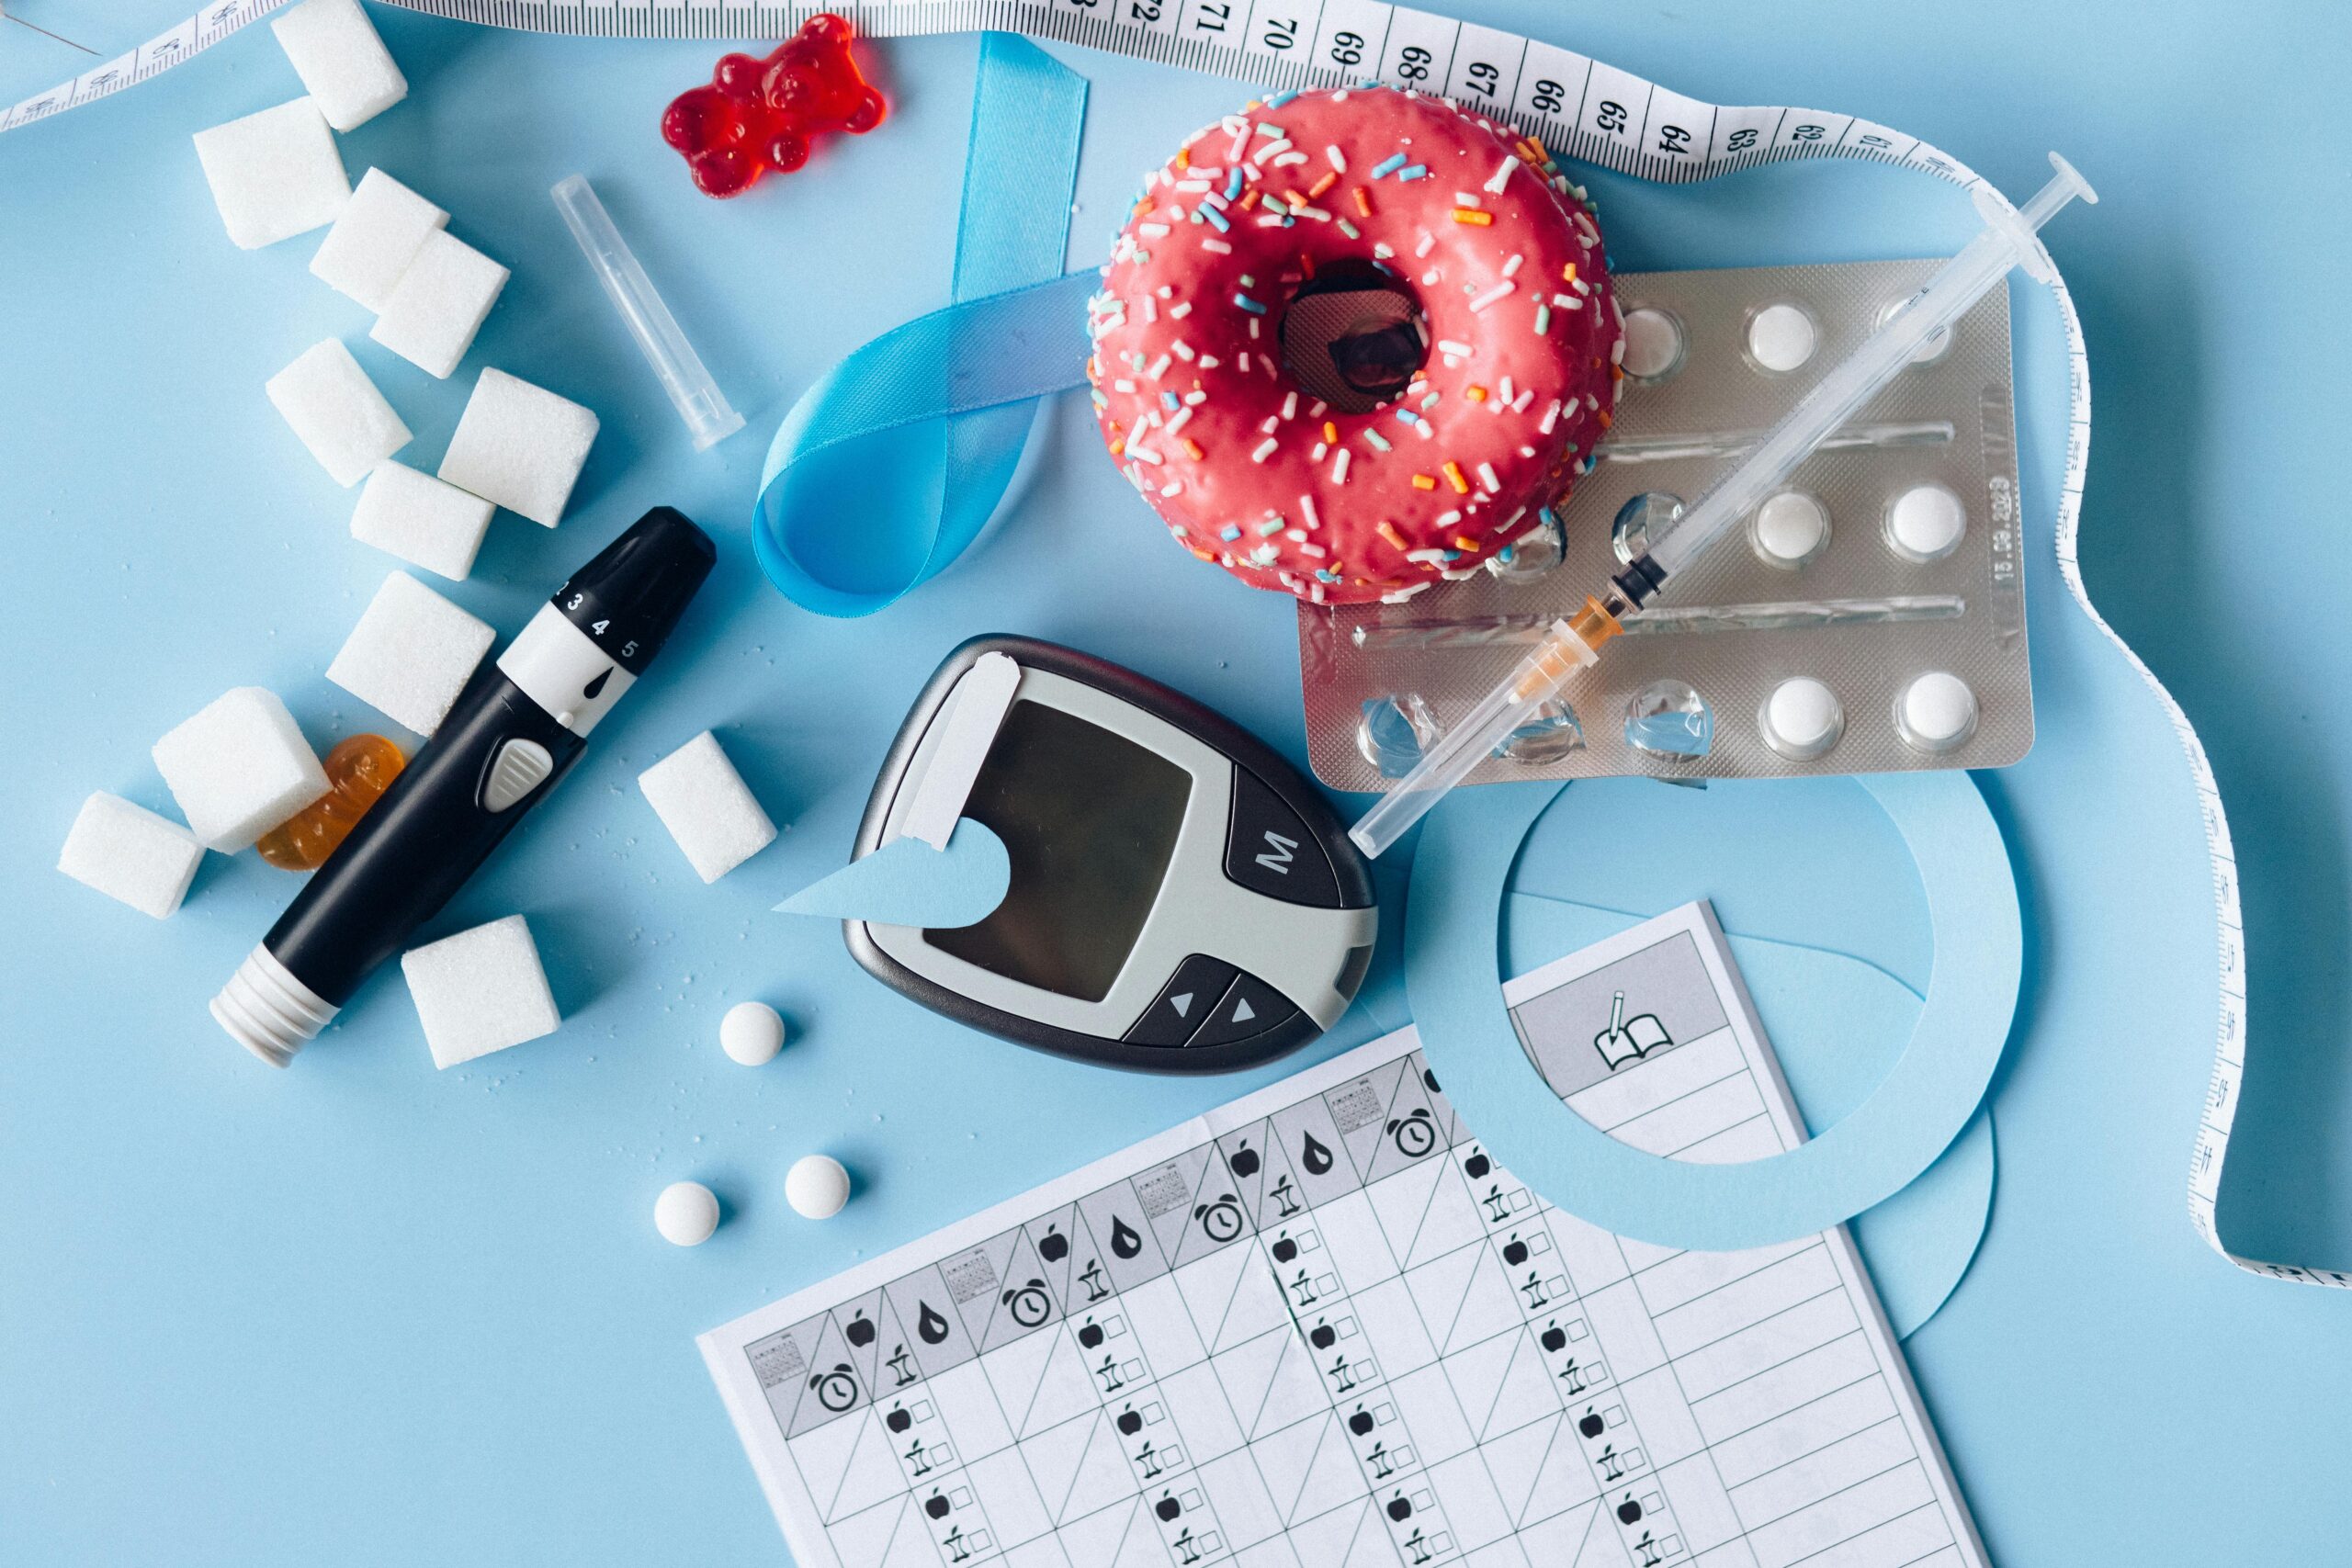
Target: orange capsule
<point x="359" y="770"/>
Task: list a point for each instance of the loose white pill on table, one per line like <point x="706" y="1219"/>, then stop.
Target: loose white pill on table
<point x="816" y="1187"/>
<point x="1936" y="713"/>
<point x="752" y="1032"/>
<point x="1790" y="528"/>
<point x="1781" y="337"/>
<point x="1925" y="523"/>
<point x="686" y="1214"/>
<point x="1802" y="718"/>
<point x="1653" y="343"/>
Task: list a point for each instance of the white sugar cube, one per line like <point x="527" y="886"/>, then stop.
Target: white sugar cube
<point x="380" y="231"/>
<point x="701" y="799"/>
<point x="128" y="853"/>
<point x="434" y="309"/>
<point x="341" y="60"/>
<point x="519" y="446"/>
<point x="481" y="990"/>
<point x="338" y="412"/>
<point x="420" y="519"/>
<point x="239" y="768"/>
<point x="411" y="654"/>
<point x="274" y="175"/>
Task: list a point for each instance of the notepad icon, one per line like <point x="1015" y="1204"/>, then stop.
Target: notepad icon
<point x="1629" y="1039"/>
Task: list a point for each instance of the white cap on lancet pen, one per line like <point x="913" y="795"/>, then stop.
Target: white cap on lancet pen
<point x="695" y="396"/>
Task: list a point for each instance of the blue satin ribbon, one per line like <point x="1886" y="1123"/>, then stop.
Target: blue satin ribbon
<point x="894" y="461"/>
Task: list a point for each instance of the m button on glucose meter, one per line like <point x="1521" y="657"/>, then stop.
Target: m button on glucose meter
<point x="1180" y="900"/>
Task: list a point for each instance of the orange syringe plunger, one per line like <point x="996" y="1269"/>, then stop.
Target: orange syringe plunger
<point x="1557" y="657"/>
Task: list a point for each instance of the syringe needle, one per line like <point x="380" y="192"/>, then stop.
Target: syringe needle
<point x="7" y="15"/>
<point x="1671" y="447"/>
<point x="1778" y="614"/>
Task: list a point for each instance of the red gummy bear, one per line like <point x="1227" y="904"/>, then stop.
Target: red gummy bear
<point x="759" y="114"/>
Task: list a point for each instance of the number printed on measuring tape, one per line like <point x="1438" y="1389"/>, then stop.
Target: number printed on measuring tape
<point x="1580" y="108"/>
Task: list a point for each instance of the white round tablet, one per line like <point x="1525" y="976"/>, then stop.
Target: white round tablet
<point x="1936" y="713"/>
<point x="816" y="1187"/>
<point x="1783" y="337"/>
<point x="752" y="1032"/>
<point x="1924" y="522"/>
<point x="686" y="1214"/>
<point x="1802" y="718"/>
<point x="1653" y="343"/>
<point x="1790" y="528"/>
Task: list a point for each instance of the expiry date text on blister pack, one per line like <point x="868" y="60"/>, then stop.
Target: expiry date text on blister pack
<point x="1872" y="620"/>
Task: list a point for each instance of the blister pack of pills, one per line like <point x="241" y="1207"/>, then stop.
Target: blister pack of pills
<point x="1870" y="617"/>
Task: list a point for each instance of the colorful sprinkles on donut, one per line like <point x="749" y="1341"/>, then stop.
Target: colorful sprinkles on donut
<point x="1354" y="343"/>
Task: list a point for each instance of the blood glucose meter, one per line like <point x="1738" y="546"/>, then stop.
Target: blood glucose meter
<point x="1180" y="900"/>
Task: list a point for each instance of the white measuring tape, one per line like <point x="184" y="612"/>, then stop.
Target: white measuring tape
<point x="1580" y="108"/>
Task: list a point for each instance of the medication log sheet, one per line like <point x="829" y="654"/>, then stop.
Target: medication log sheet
<point x="1322" y="1325"/>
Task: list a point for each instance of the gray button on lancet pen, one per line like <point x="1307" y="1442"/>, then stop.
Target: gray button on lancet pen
<point x="695" y="396"/>
<point x="516" y="770"/>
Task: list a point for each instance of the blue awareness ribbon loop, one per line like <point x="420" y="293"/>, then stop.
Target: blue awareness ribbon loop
<point x="895" y="459"/>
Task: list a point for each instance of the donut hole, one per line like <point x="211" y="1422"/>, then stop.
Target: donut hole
<point x="1355" y="337"/>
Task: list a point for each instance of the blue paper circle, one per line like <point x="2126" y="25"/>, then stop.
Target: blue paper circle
<point x="1452" y="935"/>
<point x="1835" y="1021"/>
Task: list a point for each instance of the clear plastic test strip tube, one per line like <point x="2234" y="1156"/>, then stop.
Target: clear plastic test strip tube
<point x="1573" y="643"/>
<point x="695" y="396"/>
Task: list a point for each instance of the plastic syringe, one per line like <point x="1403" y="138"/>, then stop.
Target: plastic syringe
<point x="1573" y="643"/>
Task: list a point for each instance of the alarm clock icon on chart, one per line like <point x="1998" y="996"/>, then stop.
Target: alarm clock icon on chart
<point x="836" y="1390"/>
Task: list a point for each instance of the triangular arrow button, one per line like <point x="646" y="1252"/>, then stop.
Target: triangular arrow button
<point x="1247" y="1011"/>
<point x="1192" y="999"/>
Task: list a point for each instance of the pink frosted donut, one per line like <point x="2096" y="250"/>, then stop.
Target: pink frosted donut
<point x="1473" y="409"/>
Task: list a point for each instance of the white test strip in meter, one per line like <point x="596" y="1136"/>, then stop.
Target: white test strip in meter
<point x="975" y="714"/>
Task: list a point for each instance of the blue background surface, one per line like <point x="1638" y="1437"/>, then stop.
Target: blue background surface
<point x="360" y="1312"/>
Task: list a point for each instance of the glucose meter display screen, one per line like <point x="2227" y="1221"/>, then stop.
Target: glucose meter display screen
<point x="1090" y="819"/>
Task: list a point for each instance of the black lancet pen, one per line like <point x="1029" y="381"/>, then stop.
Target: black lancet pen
<point x="515" y="730"/>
